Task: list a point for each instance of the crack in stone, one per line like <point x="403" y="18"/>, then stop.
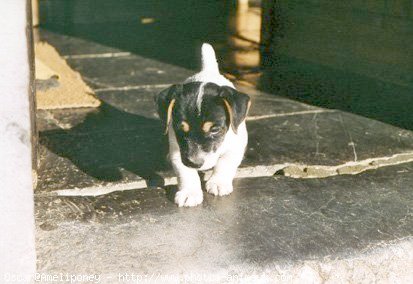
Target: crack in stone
<point x="97" y="55"/>
<point x="317" y="137"/>
<point x="287" y="169"/>
<point x="132" y="87"/>
<point x="349" y="168"/>
<point x="351" y="142"/>
<point x="259" y="117"/>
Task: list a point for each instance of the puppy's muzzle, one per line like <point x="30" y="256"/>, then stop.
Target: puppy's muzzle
<point x="191" y="155"/>
<point x="193" y="161"/>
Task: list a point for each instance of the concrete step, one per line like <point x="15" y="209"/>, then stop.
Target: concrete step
<point x="344" y="228"/>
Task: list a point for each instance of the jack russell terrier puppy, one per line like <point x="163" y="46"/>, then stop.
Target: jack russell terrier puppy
<point x="205" y="121"/>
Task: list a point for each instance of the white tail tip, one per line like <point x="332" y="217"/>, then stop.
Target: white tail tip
<point x="209" y="61"/>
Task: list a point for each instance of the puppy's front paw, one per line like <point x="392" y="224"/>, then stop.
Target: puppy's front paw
<point x="219" y="186"/>
<point x="189" y="198"/>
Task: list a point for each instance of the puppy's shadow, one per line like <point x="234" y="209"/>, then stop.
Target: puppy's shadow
<point x="109" y="140"/>
<point x="171" y="190"/>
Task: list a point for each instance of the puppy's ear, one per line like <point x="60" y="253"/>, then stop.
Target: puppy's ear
<point x="237" y="105"/>
<point x="165" y="102"/>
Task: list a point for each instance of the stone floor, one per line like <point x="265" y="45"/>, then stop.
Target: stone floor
<point x="322" y="195"/>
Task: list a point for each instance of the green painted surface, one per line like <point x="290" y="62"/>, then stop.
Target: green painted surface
<point x="356" y="56"/>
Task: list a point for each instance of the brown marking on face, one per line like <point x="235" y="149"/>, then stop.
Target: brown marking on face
<point x="169" y="115"/>
<point x="229" y="110"/>
<point x="206" y="126"/>
<point x="185" y="126"/>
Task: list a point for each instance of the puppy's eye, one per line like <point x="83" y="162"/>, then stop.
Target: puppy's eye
<point x="184" y="126"/>
<point x="209" y="127"/>
<point x="215" y="129"/>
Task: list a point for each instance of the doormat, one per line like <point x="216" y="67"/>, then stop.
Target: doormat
<point x="57" y="85"/>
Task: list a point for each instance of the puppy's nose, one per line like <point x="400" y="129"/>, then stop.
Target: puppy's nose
<point x="193" y="162"/>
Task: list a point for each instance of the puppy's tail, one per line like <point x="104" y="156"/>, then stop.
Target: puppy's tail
<point x="209" y="61"/>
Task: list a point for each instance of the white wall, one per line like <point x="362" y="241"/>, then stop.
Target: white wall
<point x="17" y="254"/>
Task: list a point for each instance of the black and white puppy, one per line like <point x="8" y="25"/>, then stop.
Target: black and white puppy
<point x="205" y="121"/>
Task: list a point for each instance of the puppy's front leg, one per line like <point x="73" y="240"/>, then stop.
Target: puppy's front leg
<point x="189" y="185"/>
<point x="220" y="183"/>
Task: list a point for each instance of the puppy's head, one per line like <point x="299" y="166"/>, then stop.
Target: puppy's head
<point x="201" y="114"/>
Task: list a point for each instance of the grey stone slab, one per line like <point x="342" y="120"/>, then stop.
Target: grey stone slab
<point x="323" y="139"/>
<point x="142" y="102"/>
<point x="122" y="140"/>
<point x="264" y="224"/>
<point x="127" y="70"/>
<point x="118" y="142"/>
<point x="61" y="118"/>
<point x="273" y="105"/>
<point x="71" y="45"/>
<point x="60" y="172"/>
<point x="109" y="145"/>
